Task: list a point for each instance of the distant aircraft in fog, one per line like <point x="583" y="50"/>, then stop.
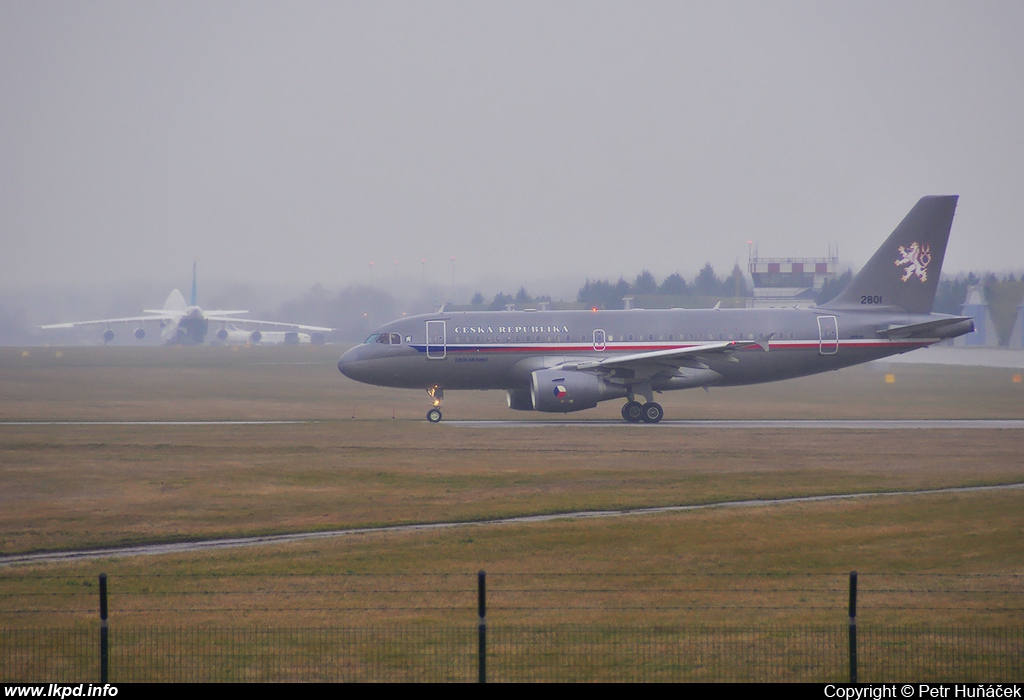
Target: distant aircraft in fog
<point x="188" y="324"/>
<point x="563" y="361"/>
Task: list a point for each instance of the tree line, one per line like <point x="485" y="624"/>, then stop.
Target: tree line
<point x="603" y="294"/>
<point x="356" y="310"/>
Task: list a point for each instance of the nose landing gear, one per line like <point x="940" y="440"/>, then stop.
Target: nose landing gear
<point x="437" y="394"/>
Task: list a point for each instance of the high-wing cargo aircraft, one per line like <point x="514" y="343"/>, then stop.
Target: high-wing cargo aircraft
<point x="188" y="324"/>
<point x="564" y="361"/>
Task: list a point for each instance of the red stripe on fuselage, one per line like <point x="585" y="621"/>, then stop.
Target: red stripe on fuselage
<point x="776" y="345"/>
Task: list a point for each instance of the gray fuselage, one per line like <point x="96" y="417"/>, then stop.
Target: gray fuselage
<point x="500" y="350"/>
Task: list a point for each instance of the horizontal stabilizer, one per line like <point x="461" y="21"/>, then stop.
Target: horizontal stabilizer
<point x="941" y="328"/>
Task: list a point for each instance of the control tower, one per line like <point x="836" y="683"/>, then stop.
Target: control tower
<point x="789" y="282"/>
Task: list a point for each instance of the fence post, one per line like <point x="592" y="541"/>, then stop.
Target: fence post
<point x="853" y="627"/>
<point x="481" y="579"/>
<point x="104" y="637"/>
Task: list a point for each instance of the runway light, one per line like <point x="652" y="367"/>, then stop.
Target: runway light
<point x="24" y="353"/>
<point x="890" y="379"/>
<point x="1016" y="379"/>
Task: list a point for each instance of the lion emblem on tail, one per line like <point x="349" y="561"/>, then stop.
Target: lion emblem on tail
<point x="916" y="258"/>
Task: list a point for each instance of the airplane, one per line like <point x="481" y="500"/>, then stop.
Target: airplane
<point x="188" y="324"/>
<point x="566" y="361"/>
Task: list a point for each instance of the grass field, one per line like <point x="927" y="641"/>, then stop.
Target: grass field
<point x="365" y="457"/>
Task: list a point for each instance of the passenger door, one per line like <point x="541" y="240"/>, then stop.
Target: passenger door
<point x="437" y="339"/>
<point x="828" y="335"/>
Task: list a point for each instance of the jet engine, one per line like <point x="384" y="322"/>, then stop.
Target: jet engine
<point x="108" y="335"/>
<point x="519" y="399"/>
<point x="560" y="391"/>
<point x="140" y="333"/>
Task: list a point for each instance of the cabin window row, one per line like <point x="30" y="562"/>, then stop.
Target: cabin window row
<point x="630" y="337"/>
<point x="396" y="339"/>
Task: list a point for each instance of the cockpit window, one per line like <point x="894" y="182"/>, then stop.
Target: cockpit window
<point x="384" y="339"/>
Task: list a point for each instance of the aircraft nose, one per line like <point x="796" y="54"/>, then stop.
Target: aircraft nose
<point x="345" y="364"/>
<point x="358" y="363"/>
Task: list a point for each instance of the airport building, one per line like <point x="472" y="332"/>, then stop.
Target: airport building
<point x="789" y="282"/>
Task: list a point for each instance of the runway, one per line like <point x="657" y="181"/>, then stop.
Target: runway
<point x="179" y="547"/>
<point x="780" y="424"/>
<point x="784" y="424"/>
<point x="154" y="422"/>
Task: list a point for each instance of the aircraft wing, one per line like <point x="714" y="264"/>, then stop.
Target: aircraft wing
<point x="215" y="317"/>
<point x="673" y="357"/>
<point x="155" y="316"/>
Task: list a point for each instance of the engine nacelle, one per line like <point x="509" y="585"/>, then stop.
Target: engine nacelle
<point x="560" y="391"/>
<point x="108" y="335"/>
<point x="519" y="399"/>
<point x="255" y="336"/>
<point x="140" y="333"/>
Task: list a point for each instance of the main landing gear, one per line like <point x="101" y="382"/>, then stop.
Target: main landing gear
<point x="437" y="394"/>
<point x="650" y="412"/>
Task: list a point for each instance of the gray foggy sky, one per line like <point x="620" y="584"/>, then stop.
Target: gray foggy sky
<point x="295" y="142"/>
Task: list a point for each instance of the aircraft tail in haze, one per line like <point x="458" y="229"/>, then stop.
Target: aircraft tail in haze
<point x="175" y="302"/>
<point x="904" y="272"/>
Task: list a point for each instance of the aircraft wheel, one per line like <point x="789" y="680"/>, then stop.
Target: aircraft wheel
<point x="633" y="412"/>
<point x="434" y="415"/>
<point x="652" y="412"/>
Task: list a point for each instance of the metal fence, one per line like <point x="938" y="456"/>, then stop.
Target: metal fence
<point x="545" y="626"/>
<point x="557" y="653"/>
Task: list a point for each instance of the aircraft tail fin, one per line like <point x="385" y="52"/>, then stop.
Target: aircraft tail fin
<point x="904" y="272"/>
<point x="175" y="301"/>
<point x="192" y="299"/>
